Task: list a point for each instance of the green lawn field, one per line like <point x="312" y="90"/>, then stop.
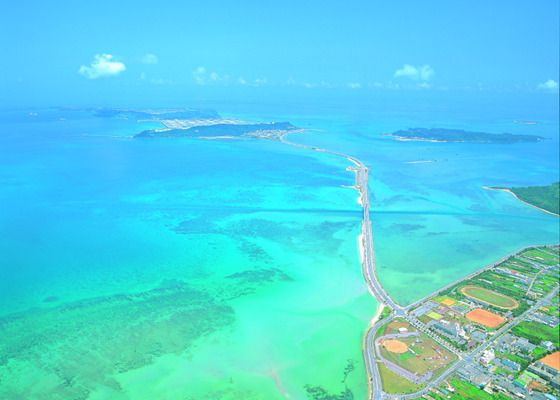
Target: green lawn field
<point x="490" y="297"/>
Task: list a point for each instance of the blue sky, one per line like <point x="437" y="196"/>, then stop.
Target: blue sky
<point x="90" y="52"/>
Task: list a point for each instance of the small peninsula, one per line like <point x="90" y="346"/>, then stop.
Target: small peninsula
<point x="461" y="136"/>
<point x="545" y="198"/>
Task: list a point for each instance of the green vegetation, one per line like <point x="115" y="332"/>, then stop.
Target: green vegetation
<point x="545" y="197"/>
<point x="385" y="313"/>
<point x="550" y="310"/>
<point x="536" y="332"/>
<point x="459" y="135"/>
<point x="466" y="391"/>
<point x="490" y="297"/>
<point x="499" y="289"/>
<point x="538" y="353"/>
<point x="394" y="383"/>
<point x="518" y="359"/>
<point x="521" y="266"/>
<point x="543" y="255"/>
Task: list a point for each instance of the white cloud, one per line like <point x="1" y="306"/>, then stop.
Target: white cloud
<point x="550" y="85"/>
<point x="101" y="66"/>
<point x="422" y="73"/>
<point x="150" y="59"/>
<point x="199" y="75"/>
<point x="203" y="76"/>
<point x="354" y="85"/>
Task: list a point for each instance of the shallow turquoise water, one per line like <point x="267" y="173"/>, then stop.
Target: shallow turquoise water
<point x="200" y="269"/>
<point x="433" y="222"/>
<point x="176" y="268"/>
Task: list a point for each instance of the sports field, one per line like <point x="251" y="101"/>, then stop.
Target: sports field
<point x="489" y="297"/>
<point x="395" y="346"/>
<point x="422" y="354"/>
<point x="485" y="318"/>
<point x="434" y="315"/>
<point x="448" y="301"/>
<point x="552" y="360"/>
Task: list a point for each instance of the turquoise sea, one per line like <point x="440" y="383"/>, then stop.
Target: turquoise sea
<point x="206" y="269"/>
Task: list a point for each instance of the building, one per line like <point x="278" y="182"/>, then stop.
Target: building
<point x="452" y="329"/>
<point x="524" y="345"/>
<point x="549" y="320"/>
<point x="548" y="368"/>
<point x="424" y="308"/>
<point x="507" y="364"/>
<point x="487" y="357"/>
<point x="478" y="336"/>
<point x="548" y="345"/>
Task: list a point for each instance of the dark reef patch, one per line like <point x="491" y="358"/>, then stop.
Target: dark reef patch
<point x="50" y="299"/>
<point x="261" y="276"/>
<point x="115" y="334"/>
<point x="320" y="393"/>
<point x="404" y="228"/>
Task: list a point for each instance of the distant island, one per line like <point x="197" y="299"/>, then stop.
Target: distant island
<point x="220" y="129"/>
<point x="155" y="114"/>
<point x="545" y="198"/>
<point x="459" y="135"/>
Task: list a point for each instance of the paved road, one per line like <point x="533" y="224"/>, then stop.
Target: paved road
<point x="376" y="289"/>
<point x="368" y="265"/>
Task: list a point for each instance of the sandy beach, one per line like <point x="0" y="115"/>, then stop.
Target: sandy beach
<point x="521" y="200"/>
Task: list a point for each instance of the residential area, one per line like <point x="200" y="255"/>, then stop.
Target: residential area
<point x="492" y="335"/>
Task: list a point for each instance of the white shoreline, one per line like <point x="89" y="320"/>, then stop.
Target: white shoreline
<point x="517" y="197"/>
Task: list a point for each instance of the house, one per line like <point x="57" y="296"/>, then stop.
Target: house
<point x="478" y="336"/>
<point x="504" y="343"/>
<point x="524" y="345"/>
<point x="548" y="345"/>
<point x="548" y="368"/>
<point x="487" y="357"/>
<point x="549" y="320"/>
<point x="507" y="364"/>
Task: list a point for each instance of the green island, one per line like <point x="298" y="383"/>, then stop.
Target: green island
<point x="546" y="197"/>
<point x="460" y="135"/>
